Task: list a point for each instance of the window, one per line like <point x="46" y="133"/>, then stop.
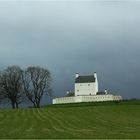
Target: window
<point x="88" y="84"/>
<point x="77" y="90"/>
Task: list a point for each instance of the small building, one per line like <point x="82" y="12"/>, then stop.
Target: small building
<point x="86" y="85"/>
<point x="86" y="90"/>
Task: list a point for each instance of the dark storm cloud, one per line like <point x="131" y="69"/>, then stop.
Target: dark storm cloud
<point x="70" y="37"/>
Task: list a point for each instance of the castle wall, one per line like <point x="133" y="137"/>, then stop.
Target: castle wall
<point x="95" y="98"/>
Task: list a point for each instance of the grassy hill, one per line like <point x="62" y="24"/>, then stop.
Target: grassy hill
<point x="87" y="120"/>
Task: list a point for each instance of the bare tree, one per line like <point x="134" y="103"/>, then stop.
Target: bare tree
<point x="11" y="85"/>
<point x="37" y="82"/>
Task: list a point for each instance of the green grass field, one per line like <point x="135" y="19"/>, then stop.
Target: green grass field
<point x="108" y="120"/>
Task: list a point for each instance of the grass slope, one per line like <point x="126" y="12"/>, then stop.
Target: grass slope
<point x="73" y="121"/>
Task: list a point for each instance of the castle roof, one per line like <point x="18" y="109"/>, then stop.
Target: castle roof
<point x="85" y="79"/>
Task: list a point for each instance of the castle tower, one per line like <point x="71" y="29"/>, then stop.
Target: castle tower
<point x="86" y="85"/>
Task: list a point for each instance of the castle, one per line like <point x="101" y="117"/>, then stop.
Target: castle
<point x="86" y="90"/>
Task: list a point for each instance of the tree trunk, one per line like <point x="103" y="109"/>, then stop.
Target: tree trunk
<point x="35" y="106"/>
<point x="13" y="105"/>
<point x="38" y="105"/>
<point x="16" y="105"/>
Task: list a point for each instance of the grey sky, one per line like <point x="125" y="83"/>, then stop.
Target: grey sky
<point x="69" y="37"/>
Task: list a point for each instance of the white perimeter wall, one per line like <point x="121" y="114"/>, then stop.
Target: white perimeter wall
<point x="95" y="98"/>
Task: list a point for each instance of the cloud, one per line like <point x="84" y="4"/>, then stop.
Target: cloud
<point x="70" y="37"/>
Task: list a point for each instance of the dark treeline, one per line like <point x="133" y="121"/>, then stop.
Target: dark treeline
<point x="18" y="85"/>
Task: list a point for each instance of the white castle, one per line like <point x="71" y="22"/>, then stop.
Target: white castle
<point x="86" y="90"/>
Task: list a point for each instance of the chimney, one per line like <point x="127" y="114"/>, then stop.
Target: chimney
<point x="105" y="91"/>
<point x="68" y="92"/>
<point x="76" y="75"/>
<point x="95" y="75"/>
